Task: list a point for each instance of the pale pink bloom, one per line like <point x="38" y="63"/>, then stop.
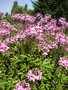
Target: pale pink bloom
<point x="66" y="49"/>
<point x="34" y="75"/>
<point x="8" y="25"/>
<point x="63" y="62"/>
<point x="53" y="33"/>
<point x="22" y="85"/>
<point x="24" y="17"/>
<point x="4" y="32"/>
<point x="45" y="53"/>
<point x="3" y="47"/>
<point x="7" y="40"/>
<point x="62" y="20"/>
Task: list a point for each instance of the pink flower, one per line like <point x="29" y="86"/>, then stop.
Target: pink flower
<point x="7" y="40"/>
<point x="45" y="53"/>
<point x="52" y="33"/>
<point x="3" y="47"/>
<point x="24" y="17"/>
<point x="66" y="49"/>
<point x="63" y="62"/>
<point x="62" y="20"/>
<point x="22" y="85"/>
<point x="34" y="74"/>
<point x="7" y="25"/>
<point x="4" y="32"/>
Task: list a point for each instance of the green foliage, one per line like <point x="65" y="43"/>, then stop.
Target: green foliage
<point x="25" y="7"/>
<point x="57" y="8"/>
<point x="8" y="18"/>
<point x="15" y="5"/>
<point x="30" y="12"/>
<point x="16" y="8"/>
<point x="21" y="9"/>
<point x="65" y="6"/>
<point x="1" y="16"/>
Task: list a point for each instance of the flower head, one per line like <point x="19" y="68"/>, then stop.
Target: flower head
<point x="63" y="62"/>
<point x="22" y="85"/>
<point x="34" y="74"/>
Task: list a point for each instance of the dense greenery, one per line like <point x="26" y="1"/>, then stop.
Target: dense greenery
<point x="8" y="18"/>
<point x="21" y="57"/>
<point x="57" y="8"/>
<point x="21" y="9"/>
<point x="16" y="8"/>
<point x="1" y="15"/>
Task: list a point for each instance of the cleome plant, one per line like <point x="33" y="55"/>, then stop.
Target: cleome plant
<point x="33" y="53"/>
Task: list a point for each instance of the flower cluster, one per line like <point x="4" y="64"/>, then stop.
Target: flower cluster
<point x="47" y="33"/>
<point x="63" y="62"/>
<point x="7" y="25"/>
<point x="22" y="85"/>
<point x="60" y="38"/>
<point x="3" y="47"/>
<point x="63" y="22"/>
<point x="24" y="17"/>
<point x="4" y="32"/>
<point x="13" y="39"/>
<point x="34" y="74"/>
